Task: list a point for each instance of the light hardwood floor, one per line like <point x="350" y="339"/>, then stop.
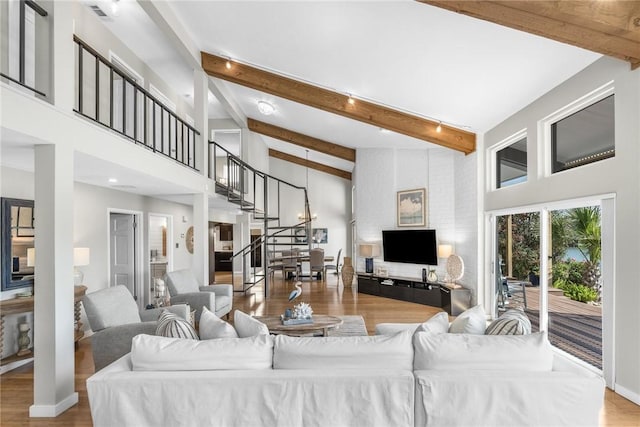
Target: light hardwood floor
<point x="16" y="387"/>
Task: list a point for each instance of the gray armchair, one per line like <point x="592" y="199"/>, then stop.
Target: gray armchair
<point x="185" y="289"/>
<point x="114" y="319"/>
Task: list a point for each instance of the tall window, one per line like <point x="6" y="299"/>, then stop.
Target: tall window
<point x="584" y="137"/>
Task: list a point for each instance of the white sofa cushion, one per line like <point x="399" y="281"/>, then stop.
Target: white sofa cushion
<point x="247" y="326"/>
<point x="356" y="352"/>
<point x="211" y="326"/>
<point x="153" y="353"/>
<point x="482" y="352"/>
<point x="471" y="321"/>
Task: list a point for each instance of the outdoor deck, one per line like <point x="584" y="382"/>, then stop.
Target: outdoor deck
<point x="574" y="327"/>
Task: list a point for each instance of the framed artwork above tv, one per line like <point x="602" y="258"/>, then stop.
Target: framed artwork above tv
<point x="412" y="208"/>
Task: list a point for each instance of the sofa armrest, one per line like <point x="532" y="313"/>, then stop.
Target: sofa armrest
<point x="152" y="314"/>
<point x="220" y="290"/>
<point x="196" y="300"/>
<point x="112" y="343"/>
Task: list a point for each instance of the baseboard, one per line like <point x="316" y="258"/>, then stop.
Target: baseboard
<point x="48" y="411"/>
<point x="628" y="394"/>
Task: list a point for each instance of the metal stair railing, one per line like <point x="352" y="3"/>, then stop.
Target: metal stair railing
<point x="243" y="185"/>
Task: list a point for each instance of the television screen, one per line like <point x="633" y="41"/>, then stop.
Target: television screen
<point x="410" y="246"/>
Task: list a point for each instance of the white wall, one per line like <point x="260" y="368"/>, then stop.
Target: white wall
<point x="619" y="175"/>
<point x="448" y="177"/>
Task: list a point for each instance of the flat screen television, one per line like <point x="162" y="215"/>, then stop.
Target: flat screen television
<point x="410" y="246"/>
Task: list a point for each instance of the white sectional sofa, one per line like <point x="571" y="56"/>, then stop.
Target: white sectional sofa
<point x="404" y="379"/>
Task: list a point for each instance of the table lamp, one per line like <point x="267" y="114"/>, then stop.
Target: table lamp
<point x="368" y="251"/>
<point x="81" y="257"/>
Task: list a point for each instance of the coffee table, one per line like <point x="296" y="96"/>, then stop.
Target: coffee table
<point x="321" y="323"/>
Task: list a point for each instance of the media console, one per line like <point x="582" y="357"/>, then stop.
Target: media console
<point x="453" y="301"/>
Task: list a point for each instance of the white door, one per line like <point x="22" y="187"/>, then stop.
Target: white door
<point x="123" y="253"/>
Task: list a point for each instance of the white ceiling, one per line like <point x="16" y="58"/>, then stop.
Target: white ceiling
<point x="403" y="54"/>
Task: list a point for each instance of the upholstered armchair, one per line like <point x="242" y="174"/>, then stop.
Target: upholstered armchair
<point x="114" y="319"/>
<point x="184" y="289"/>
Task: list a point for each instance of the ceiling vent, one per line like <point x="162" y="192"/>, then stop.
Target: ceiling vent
<point x="98" y="11"/>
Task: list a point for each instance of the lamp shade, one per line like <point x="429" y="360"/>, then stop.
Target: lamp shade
<point x="81" y="256"/>
<point x="31" y="257"/>
<point x="368" y="250"/>
<point x="444" y="251"/>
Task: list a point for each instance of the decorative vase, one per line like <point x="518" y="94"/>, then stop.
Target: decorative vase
<point x="23" y="340"/>
<point x="432" y="277"/>
<point x="347" y="272"/>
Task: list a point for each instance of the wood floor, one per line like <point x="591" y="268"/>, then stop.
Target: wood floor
<point x="16" y="387"/>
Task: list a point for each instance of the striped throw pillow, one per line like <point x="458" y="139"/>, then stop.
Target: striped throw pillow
<point x="173" y="326"/>
<point x="511" y="322"/>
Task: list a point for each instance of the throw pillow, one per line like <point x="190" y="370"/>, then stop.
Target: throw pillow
<point x="471" y="321"/>
<point x="211" y="326"/>
<point x="511" y="322"/>
<point x="247" y="326"/>
<point x="438" y="324"/>
<point x="173" y="326"/>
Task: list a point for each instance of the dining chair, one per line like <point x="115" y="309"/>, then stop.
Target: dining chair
<point x="290" y="263"/>
<point x="316" y="261"/>
<point x="335" y="267"/>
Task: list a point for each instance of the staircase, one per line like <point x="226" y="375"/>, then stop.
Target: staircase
<point x="260" y="195"/>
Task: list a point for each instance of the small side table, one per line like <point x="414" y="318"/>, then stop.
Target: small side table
<point x="455" y="300"/>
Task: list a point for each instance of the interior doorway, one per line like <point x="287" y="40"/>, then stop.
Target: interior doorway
<point x="160" y="254"/>
<point x="124" y="252"/>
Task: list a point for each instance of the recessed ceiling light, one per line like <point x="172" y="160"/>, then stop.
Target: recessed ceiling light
<point x="113" y="180"/>
<point x="265" y="108"/>
<point x="383" y="130"/>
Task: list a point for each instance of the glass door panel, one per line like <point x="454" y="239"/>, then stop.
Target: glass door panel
<point x="518" y="237"/>
<point x="574" y="295"/>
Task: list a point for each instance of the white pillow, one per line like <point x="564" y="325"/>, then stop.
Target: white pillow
<point x="438" y="324"/>
<point x="247" y="326"/>
<point x="471" y="321"/>
<point x="154" y="353"/>
<point x="356" y="352"/>
<point x="211" y="326"/>
<point x="482" y="352"/>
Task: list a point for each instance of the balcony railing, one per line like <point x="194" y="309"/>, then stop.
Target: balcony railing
<point x="112" y="98"/>
<point x="25" y="45"/>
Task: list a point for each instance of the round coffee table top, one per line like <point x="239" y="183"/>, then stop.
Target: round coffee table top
<point x="320" y="323"/>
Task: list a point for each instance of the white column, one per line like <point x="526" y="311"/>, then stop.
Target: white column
<point x="201" y="113"/>
<point x="53" y="309"/>
<point x="62" y="56"/>
<point x="201" y="237"/>
<point x="201" y="200"/>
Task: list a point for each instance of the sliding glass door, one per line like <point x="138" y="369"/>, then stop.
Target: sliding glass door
<point x="555" y="263"/>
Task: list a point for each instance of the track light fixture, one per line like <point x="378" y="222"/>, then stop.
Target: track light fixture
<point x="228" y="64"/>
<point x="439" y="127"/>
<point x="351" y="101"/>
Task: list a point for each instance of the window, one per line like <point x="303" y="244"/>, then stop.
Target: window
<point x="584" y="137"/>
<point x="511" y="163"/>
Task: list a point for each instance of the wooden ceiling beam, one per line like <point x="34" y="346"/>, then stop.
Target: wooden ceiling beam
<point x="338" y="103"/>
<point x="302" y="140"/>
<point x="611" y="28"/>
<point x="309" y="164"/>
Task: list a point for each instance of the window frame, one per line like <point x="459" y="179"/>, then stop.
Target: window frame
<point x="494" y="167"/>
<point x="547" y="148"/>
